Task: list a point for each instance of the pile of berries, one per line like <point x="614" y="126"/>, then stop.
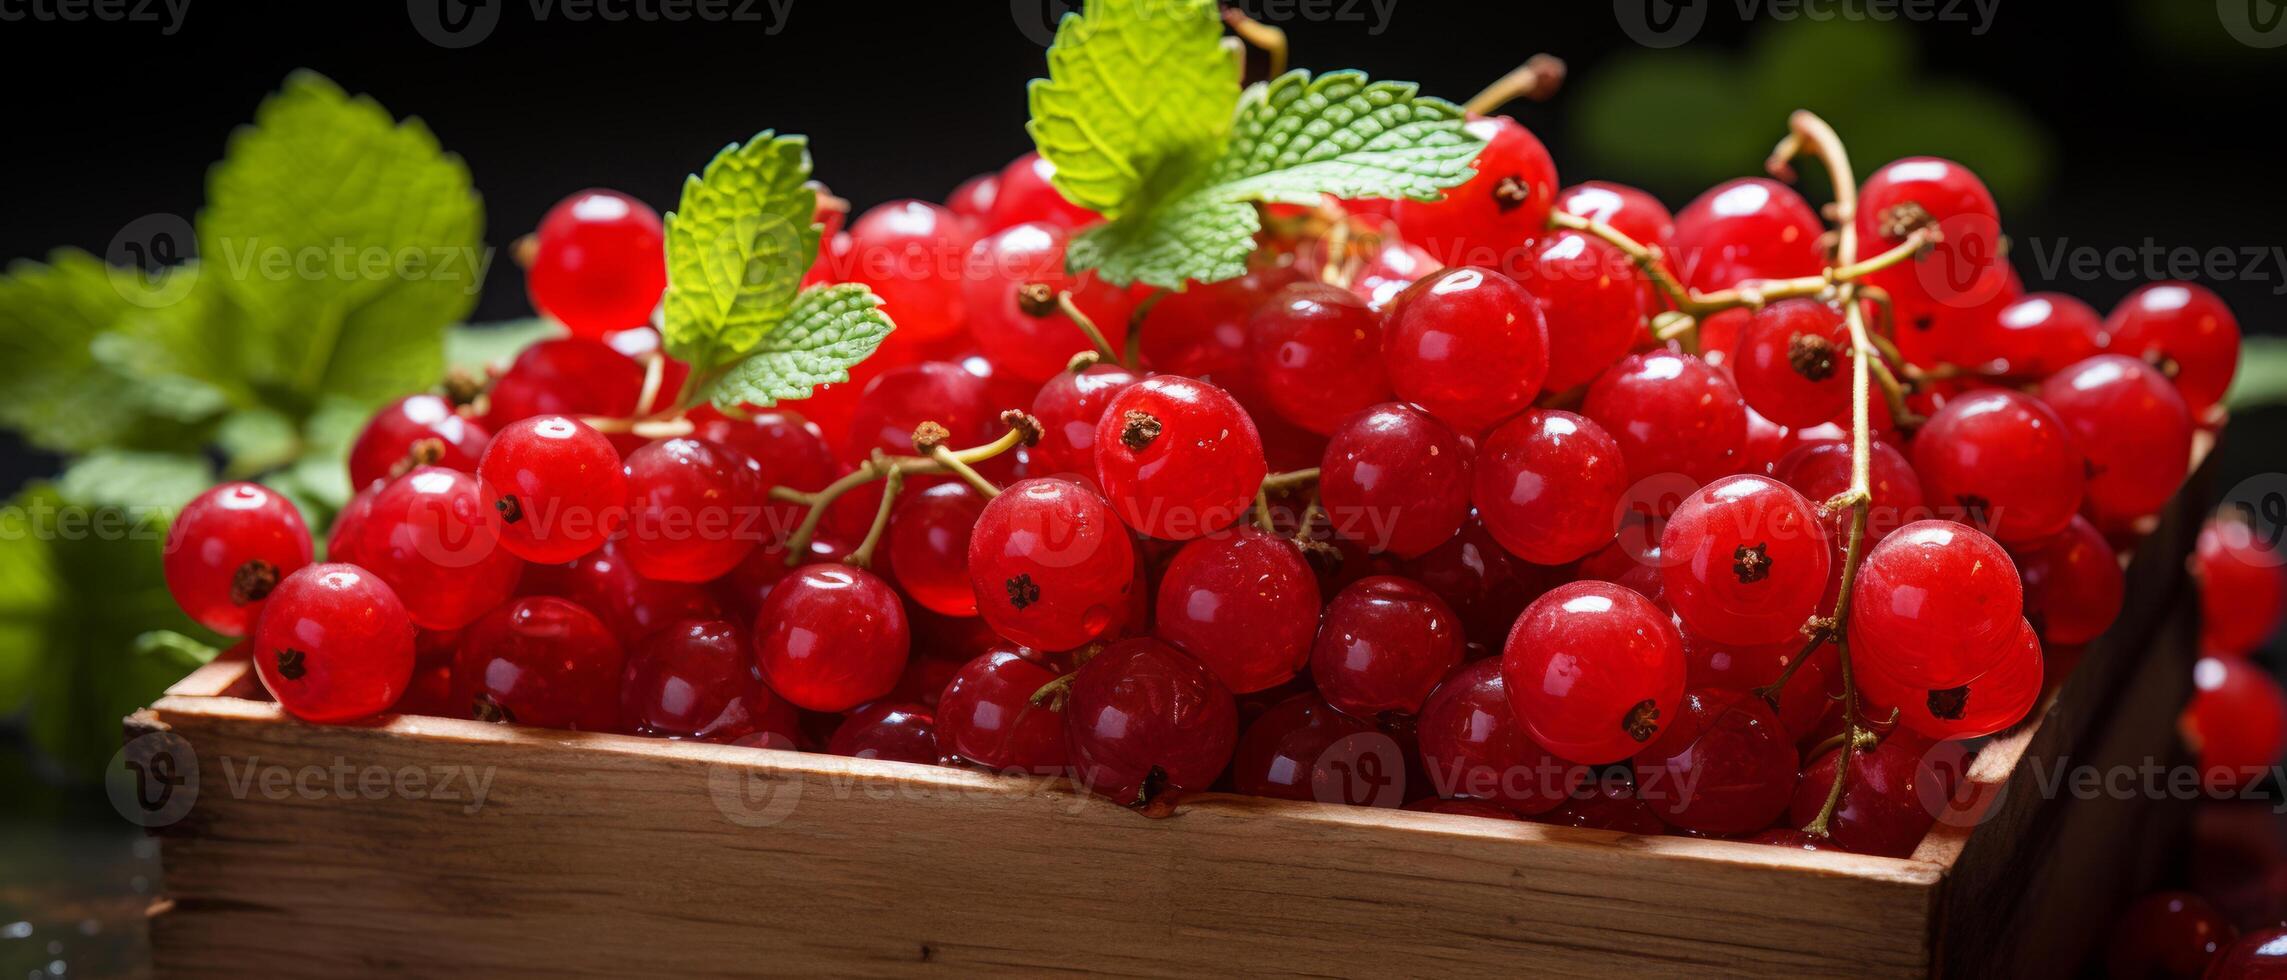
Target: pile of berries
<point x="1534" y="502"/>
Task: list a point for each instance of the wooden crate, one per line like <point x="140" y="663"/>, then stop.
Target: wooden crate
<point x="610" y="855"/>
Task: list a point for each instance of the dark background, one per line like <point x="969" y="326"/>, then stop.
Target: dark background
<point x="2151" y="123"/>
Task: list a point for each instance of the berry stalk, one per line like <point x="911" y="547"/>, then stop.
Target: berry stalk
<point x="1023" y="430"/>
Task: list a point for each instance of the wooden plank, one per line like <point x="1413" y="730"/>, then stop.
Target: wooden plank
<point x="599" y="854"/>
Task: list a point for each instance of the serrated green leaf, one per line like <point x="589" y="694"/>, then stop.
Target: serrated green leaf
<point x="737" y="247"/>
<point x="136" y="482"/>
<point x="479" y="347"/>
<point x="255" y="440"/>
<point x="63" y="395"/>
<point x="349" y="239"/>
<point x="829" y="329"/>
<point x="1137" y="99"/>
<point x="1294" y="139"/>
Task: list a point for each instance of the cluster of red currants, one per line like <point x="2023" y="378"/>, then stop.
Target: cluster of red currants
<point x="1527" y="503"/>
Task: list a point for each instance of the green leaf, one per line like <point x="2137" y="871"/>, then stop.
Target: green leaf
<point x="62" y="395"/>
<point x="2262" y="377"/>
<point x="174" y="651"/>
<point x="1294" y="139"/>
<point x="348" y="239"/>
<point x="829" y="329"/>
<point x="27" y="594"/>
<point x="737" y="248"/>
<point x="145" y="484"/>
<point x="480" y="347"/>
<point x="255" y="440"/>
<point x="1138" y="97"/>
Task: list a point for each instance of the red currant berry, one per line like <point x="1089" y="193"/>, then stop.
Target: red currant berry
<point x="1068" y="407"/>
<point x="349" y="525"/>
<point x="1476" y="576"/>
<point x="1301" y="749"/>
<point x="1821" y="470"/>
<point x="902" y="398"/>
<point x="557" y="485"/>
<point x="693" y="509"/>
<point x="1245" y="603"/>
<point x="1010" y="289"/>
<point x="1594" y="670"/>
<point x="431" y="537"/>
<point x="1050" y="566"/>
<point x="2133" y="429"/>
<point x="1474" y="747"/>
<point x="570" y="376"/>
<point x="887" y="730"/>
<point x="1395" y="479"/>
<point x="973" y="198"/>
<point x="1384" y="644"/>
<point x="1883" y="810"/>
<point x="631" y="606"/>
<point x="412" y="431"/>
<point x="1793" y="362"/>
<point x="1490" y="219"/>
<point x="790" y="451"/>
<point x="1671" y="413"/>
<point x="1593" y="299"/>
<point x="911" y="253"/>
<point x="228" y="549"/>
<point x="1608" y="804"/>
<point x="989" y="715"/>
<point x="1627" y="210"/>
<point x="1318" y="355"/>
<point x="1178" y="458"/>
<point x="2237" y="721"/>
<point x="928" y="543"/>
<point x="540" y="661"/>
<point x="1804" y="702"/>
<point x="600" y="264"/>
<point x="1750" y="228"/>
<point x="1996" y="700"/>
<point x="1936" y="605"/>
<point x="1201" y="330"/>
<point x="696" y="679"/>
<point x="1747" y="560"/>
<point x="1725" y="766"/>
<point x="2183" y="324"/>
<point x="2040" y="332"/>
<point x="333" y="644"/>
<point x="1965" y="268"/>
<point x="2261" y="954"/>
<point x="1025" y="191"/>
<point x="2074" y="585"/>
<point x="2006" y="460"/>
<point x="1144" y="720"/>
<point x="2243" y="593"/>
<point x="1548" y="484"/>
<point x="2172" y="935"/>
<point x="832" y="637"/>
<point x="1467" y="344"/>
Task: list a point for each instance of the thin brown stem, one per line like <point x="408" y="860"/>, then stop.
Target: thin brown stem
<point x="1282" y="482"/>
<point x="891" y="483"/>
<point x="1023" y="430"/>
<point x="1644" y="256"/>
<point x="968" y="474"/>
<point x="1271" y="40"/>
<point x="1537" y="79"/>
<point x="1087" y="326"/>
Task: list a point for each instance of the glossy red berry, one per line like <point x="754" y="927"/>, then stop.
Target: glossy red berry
<point x="1594" y="671"/>
<point x="1608" y="803"/>
<point x="1821" y="470"/>
<point x="631" y="606"/>
<point x="228" y="549"/>
<point x="1178" y="458"/>
<point x="1145" y="720"/>
<point x="2173" y="935"/>
<point x="1887" y="797"/>
<point x="1024" y="191"/>
<point x="600" y="262"/>
<point x="2259" y="954"/>
<point x="902" y="398"/>
<point x="1394" y="478"/>
<point x="1383" y="645"/>
<point x="2007" y="463"/>
<point x="1201" y="330"/>
<point x="1671" y="414"/>
<point x="973" y="198"/>
<point x="2132" y="428"/>
<point x="1010" y="289"/>
<point x="1725" y="766"/>
<point x="557" y="486"/>
<point x="1050" y="566"/>
<point x="411" y="431"/>
<point x="1627" y="210"/>
<point x="1476" y="576"/>
<point x="431" y="537"/>
<point x="1808" y="697"/>
<point x="887" y="730"/>
<point x="1593" y="299"/>
<point x="1548" y="484"/>
<point x="1965" y="268"/>
<point x="694" y="510"/>
<point x="832" y="637"/>
<point x="2074" y="585"/>
<point x="2040" y="332"/>
<point x="540" y="661"/>
<point x="1473" y="746"/>
<point x="1993" y="701"/>
<point x="1793" y="362"/>
<point x="1492" y="218"/>
<point x="1746" y="560"/>
<point x="2236" y="722"/>
<point x="696" y="679"/>
<point x="989" y="714"/>
<point x="911" y="254"/>
<point x="1467" y="344"/>
<point x="1301" y="749"/>
<point x="1318" y="355"/>
<point x="2243" y="591"/>
<point x="1245" y="603"/>
<point x="1751" y="228"/>
<point x="788" y="450"/>
<point x="928" y="542"/>
<point x="333" y="644"/>
<point x="1936" y="605"/>
<point x="1068" y="407"/>
<point x="2185" y="325"/>
<point x="570" y="376"/>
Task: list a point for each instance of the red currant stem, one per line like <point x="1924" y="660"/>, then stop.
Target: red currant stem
<point x="1894" y="393"/>
<point x="648" y="428"/>
<point x="1819" y="634"/>
<point x="1023" y="429"/>
<point x="654" y="373"/>
<point x="1645" y="258"/>
<point x="1537" y="79"/>
<point x="1263" y="510"/>
<point x="1762" y="293"/>
<point x="525" y="249"/>
<point x="1338" y="269"/>
<point x="1271" y="40"/>
<point x="1087" y="326"/>
<point x="1282" y="482"/>
<point x="944" y="457"/>
<point x="1676" y="326"/>
<point x="891" y="482"/>
<point x="1053" y="694"/>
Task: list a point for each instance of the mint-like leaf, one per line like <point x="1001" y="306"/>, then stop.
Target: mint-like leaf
<point x="829" y="329"/>
<point x="63" y="395"/>
<point x="1138" y="97"/>
<point x="135" y="482"/>
<point x="737" y="247"/>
